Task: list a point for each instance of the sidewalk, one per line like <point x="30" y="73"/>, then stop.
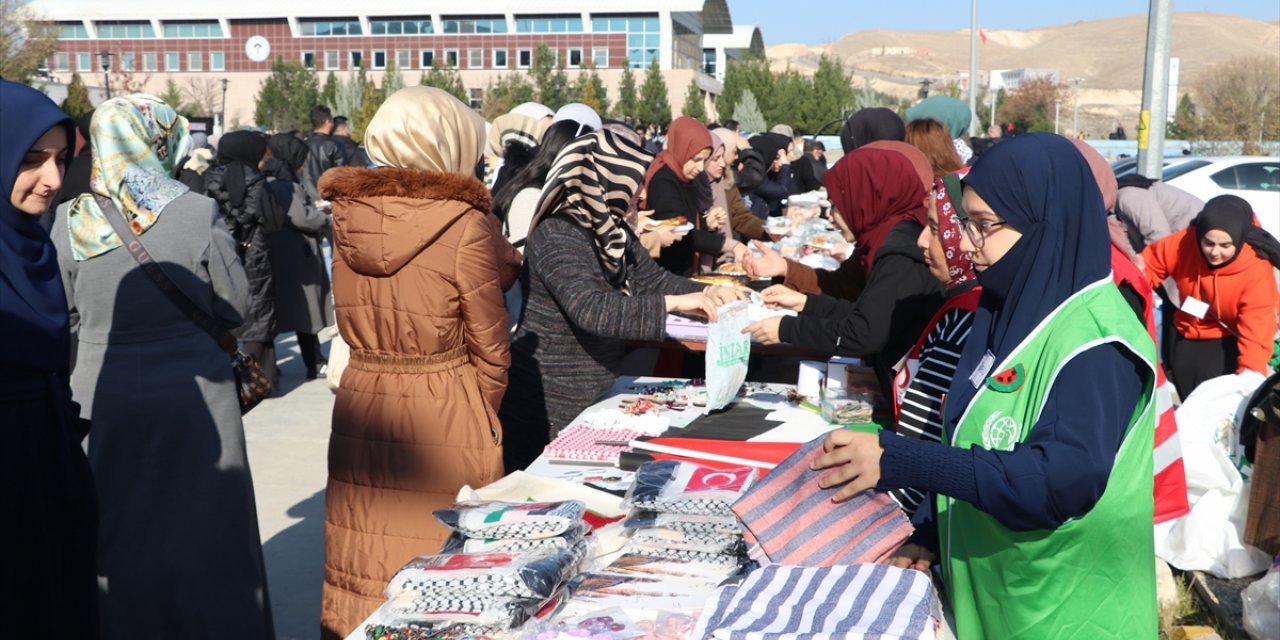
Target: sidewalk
<point x="288" y="438"/>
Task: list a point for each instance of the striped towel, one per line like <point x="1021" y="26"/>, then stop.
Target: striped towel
<point x="824" y="603"/>
<point x="796" y="523"/>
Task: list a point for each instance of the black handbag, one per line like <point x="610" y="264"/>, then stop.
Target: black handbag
<point x="252" y="383"/>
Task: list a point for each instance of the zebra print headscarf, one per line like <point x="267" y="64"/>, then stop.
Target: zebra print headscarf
<point x="593" y="182"/>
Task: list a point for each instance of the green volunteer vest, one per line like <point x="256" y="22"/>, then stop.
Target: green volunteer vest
<point x="1093" y="576"/>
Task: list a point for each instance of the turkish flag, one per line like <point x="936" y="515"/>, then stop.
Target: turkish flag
<point x="982" y="35"/>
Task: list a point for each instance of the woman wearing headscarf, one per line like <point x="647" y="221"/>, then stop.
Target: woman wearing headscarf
<point x="252" y="214"/>
<point x="1044" y="511"/>
<point x="932" y="139"/>
<point x="50" y="572"/>
<point x="672" y="190"/>
<point x="952" y="113"/>
<point x="767" y="197"/>
<point x="514" y="140"/>
<point x="179" y="553"/>
<point x="884" y="201"/>
<point x="870" y="125"/>
<point x="743" y="223"/>
<point x="297" y="265"/>
<point x="1221" y="265"/>
<point x="418" y="287"/>
<point x="517" y="201"/>
<point x="591" y="287"/>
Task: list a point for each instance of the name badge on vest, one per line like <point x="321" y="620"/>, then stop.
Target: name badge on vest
<point x="1194" y="307"/>
<point x="980" y="372"/>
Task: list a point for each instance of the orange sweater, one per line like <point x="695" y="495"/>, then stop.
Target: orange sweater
<point x="1242" y="295"/>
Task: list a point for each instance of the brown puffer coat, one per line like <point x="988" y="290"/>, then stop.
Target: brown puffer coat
<point x="418" y="292"/>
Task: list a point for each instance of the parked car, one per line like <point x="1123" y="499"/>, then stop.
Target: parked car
<point x="1174" y="166"/>
<point x="1254" y="178"/>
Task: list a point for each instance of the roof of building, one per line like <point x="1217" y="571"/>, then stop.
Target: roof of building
<point x="744" y="36"/>
<point x="715" y="13"/>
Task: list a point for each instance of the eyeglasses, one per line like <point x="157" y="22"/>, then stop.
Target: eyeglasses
<point x="978" y="230"/>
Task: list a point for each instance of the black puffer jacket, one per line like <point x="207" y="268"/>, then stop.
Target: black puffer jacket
<point x="250" y="224"/>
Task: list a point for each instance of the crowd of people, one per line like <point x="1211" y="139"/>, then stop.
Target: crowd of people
<point x="487" y="278"/>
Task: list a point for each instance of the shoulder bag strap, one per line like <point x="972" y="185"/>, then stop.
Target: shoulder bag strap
<point x="133" y="243"/>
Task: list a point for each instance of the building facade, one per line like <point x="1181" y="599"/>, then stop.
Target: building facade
<point x="145" y="44"/>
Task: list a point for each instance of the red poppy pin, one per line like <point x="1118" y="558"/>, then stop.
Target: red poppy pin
<point x="1009" y="380"/>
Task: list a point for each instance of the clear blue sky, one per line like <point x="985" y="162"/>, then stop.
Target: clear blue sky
<point x="820" y="21"/>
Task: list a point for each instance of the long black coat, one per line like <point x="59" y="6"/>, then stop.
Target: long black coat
<point x="258" y="216"/>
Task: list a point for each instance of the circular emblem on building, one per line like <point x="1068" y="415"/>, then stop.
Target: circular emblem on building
<point x="257" y="48"/>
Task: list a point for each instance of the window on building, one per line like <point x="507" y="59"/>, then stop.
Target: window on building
<point x="125" y="30"/>
<point x="401" y="27"/>
<point x="61" y="61"/>
<point x="217" y="61"/>
<point x="321" y="28"/>
<point x="379" y="59"/>
<point x="309" y="59"/>
<point x="451" y="58"/>
<point x="643" y="35"/>
<point x="193" y="61"/>
<point x="499" y="58"/>
<point x="84" y="62"/>
<point x="524" y="58"/>
<point x="355" y="59"/>
<point x="72" y="31"/>
<point x="548" y="24"/>
<point x="575" y="57"/>
<point x="428" y="58"/>
<point x="404" y="59"/>
<point x="150" y="62"/>
<point x="475" y="25"/>
<point x="600" y="57"/>
<point x="476" y="98"/>
<point x="332" y="60"/>
<point x="195" y="29"/>
<point x="172" y="61"/>
<point x="709" y="61"/>
<point x="127" y="62"/>
<point x="475" y="58"/>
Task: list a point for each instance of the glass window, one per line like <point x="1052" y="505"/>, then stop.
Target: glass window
<point x="709" y="61"/>
<point x="356" y="59"/>
<point x="344" y="27"/>
<point x="125" y="30"/>
<point x="84" y="62"/>
<point x="575" y="57"/>
<point x="428" y="58"/>
<point x="61" y="61"/>
<point x="1253" y="176"/>
<point x="600" y="57"/>
<point x="217" y="61"/>
<point x="643" y="35"/>
<point x="1171" y="172"/>
<point x="475" y="25"/>
<point x="193" y="61"/>
<point x="201" y="29"/>
<point x="379" y="59"/>
<point x="451" y="57"/>
<point x="171" y="62"/>
<point x="127" y="62"/>
<point x="524" y="58"/>
<point x="475" y="58"/>
<point x="549" y="24"/>
<point x="309" y="59"/>
<point x="150" y="62"/>
<point x="404" y="59"/>
<point x="476" y="96"/>
<point x="332" y="60"/>
<point x="72" y="31"/>
<point x="404" y="27"/>
<point x="499" y="58"/>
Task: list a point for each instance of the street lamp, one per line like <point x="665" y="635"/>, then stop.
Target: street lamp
<point x="222" y="115"/>
<point x="104" y="58"/>
<point x="1075" y="106"/>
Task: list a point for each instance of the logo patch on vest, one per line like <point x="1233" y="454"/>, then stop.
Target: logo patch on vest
<point x="1009" y="380"/>
<point x="1000" y="432"/>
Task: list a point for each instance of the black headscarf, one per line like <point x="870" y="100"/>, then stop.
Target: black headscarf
<point x="33" y="306"/>
<point x="288" y="154"/>
<point x="768" y="145"/>
<point x="1234" y="216"/>
<point x="76" y="179"/>
<point x="240" y="151"/>
<point x="869" y="125"/>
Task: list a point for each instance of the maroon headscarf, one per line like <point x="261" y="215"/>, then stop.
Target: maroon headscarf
<point x="874" y="190"/>
<point x="685" y="138"/>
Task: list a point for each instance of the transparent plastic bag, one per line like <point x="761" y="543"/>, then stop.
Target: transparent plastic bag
<point x="531" y="574"/>
<point x="497" y="519"/>
<point x="728" y="350"/>
<point x="682" y="522"/>
<point x="459" y="543"/>
<point x="1262" y="605"/>
<point x="672" y="486"/>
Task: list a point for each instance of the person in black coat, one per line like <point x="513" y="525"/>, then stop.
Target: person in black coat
<point x="767" y="197"/>
<point x="808" y="170"/>
<point x="325" y="152"/>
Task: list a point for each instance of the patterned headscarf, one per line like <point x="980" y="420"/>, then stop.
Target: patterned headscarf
<point x="515" y="127"/>
<point x="593" y="182"/>
<point x="138" y="144"/>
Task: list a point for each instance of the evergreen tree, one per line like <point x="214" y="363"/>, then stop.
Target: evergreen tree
<point x="286" y="96"/>
<point x="654" y="108"/>
<point x="694" y="103"/>
<point x="77" y="103"/>
<point x="747" y="113"/>
<point x="171" y="96"/>
<point x="447" y="79"/>
<point x="831" y="95"/>
<point x="1185" y="124"/>
<point x="627" y="99"/>
<point x="348" y="94"/>
<point x="749" y="73"/>
<point x="368" y="107"/>
<point x="392" y="81"/>
<point x="550" y="81"/>
<point x="329" y="95"/>
<point x="590" y="90"/>
<point x="502" y="96"/>
<point x="794" y="102"/>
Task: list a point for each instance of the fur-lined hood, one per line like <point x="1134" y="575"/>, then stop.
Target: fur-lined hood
<point x="383" y="218"/>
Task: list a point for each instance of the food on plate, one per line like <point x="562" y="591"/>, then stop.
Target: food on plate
<point x="718" y="279"/>
<point x="732" y="269"/>
<point x="668" y="222"/>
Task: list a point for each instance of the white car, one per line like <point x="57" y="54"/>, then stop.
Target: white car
<point x="1254" y="178"/>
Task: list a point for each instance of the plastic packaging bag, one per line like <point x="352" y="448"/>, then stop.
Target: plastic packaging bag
<point x="728" y="350"/>
<point x="682" y="522"/>
<point x="672" y="486"/>
<point x="531" y="574"/>
<point x="687" y="541"/>
<point x="458" y="543"/>
<point x="1262" y="605"/>
<point x="529" y="520"/>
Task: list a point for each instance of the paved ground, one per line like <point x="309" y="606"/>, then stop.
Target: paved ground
<point x="288" y="438"/>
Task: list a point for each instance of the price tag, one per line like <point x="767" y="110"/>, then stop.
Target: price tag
<point x="1194" y="307"/>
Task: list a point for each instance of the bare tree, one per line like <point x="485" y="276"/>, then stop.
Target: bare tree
<point x="126" y="82"/>
<point x="26" y="42"/>
<point x="1240" y="101"/>
<point x="203" y="95"/>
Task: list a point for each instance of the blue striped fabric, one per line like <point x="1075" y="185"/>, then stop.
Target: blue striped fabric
<point x="824" y="603"/>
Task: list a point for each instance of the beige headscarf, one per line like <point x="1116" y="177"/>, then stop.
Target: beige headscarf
<point x="425" y="128"/>
<point x="515" y="127"/>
